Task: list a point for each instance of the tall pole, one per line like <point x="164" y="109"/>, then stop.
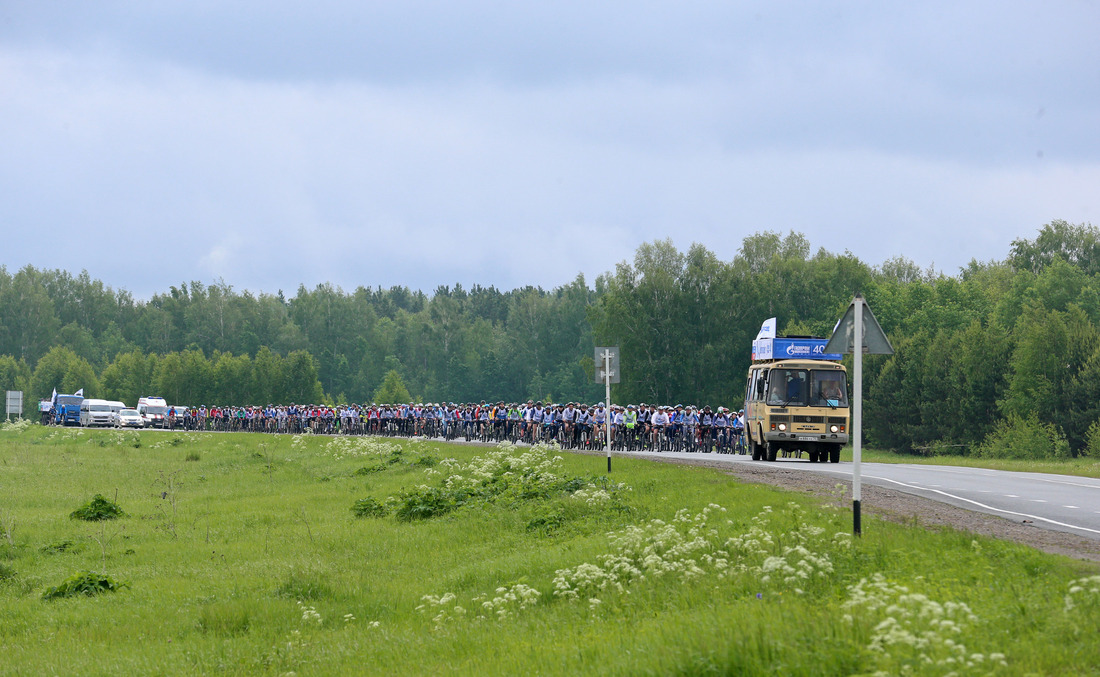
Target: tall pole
<point x="607" y="411"/>
<point x="857" y="410"/>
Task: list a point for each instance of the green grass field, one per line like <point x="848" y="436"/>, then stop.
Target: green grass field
<point x="249" y="554"/>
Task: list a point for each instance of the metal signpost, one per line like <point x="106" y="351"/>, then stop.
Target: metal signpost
<point x="607" y="371"/>
<point x="14" y="404"/>
<point x="858" y="321"/>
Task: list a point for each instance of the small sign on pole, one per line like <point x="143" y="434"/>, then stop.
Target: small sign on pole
<point x="607" y="365"/>
<point x="14" y="403"/>
<point x="607" y="371"/>
<point x="858" y="321"/>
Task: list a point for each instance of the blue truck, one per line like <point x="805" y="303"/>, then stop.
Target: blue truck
<point x="66" y="409"/>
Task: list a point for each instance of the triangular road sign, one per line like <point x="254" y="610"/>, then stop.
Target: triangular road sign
<point x="874" y="339"/>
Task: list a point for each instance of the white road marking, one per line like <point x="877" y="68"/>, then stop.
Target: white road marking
<point x="1011" y="496"/>
<point x="1072" y="480"/>
<point x="991" y="508"/>
<point x="1080" y="483"/>
<point x="1071" y="507"/>
<point x="1037" y="500"/>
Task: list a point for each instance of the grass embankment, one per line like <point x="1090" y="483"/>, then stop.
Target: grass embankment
<point x="242" y="554"/>
<point x="1081" y="466"/>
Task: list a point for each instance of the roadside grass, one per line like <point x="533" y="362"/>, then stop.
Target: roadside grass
<point x="241" y="555"/>
<point x="1082" y="466"/>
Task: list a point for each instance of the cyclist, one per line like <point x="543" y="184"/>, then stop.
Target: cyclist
<point x="599" y="420"/>
<point x="706" y="428"/>
<point x="549" y="422"/>
<point x="657" y="424"/>
<point x="675" y="424"/>
<point x="738" y="424"/>
<point x="630" y="420"/>
<point x="721" y="429"/>
<point x="616" y="423"/>
<point x="582" y="426"/>
<point x="568" y="416"/>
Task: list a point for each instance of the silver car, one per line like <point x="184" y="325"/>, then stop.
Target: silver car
<point x="129" y="418"/>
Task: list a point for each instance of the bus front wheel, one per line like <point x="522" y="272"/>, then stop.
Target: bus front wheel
<point x="771" y="449"/>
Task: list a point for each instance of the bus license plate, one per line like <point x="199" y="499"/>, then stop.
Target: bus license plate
<point x="806" y="438"/>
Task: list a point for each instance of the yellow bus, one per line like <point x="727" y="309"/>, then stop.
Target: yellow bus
<point x="796" y="400"/>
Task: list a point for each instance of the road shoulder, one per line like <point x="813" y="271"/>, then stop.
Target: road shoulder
<point x="905" y="508"/>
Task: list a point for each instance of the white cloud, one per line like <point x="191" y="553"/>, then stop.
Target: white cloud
<point x="381" y="176"/>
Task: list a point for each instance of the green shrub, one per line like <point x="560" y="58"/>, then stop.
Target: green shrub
<point x="83" y="583"/>
<point x="1092" y="445"/>
<point x="6" y="573"/>
<point x="426" y="461"/>
<point x="572" y="485"/>
<point x="370" y="469"/>
<point x="427" y="502"/>
<point x="97" y="509"/>
<point x="546" y="521"/>
<point x="1022" y="438"/>
<point x="192" y="456"/>
<point x="368" y="507"/>
<point x="59" y="547"/>
<point x="507" y="476"/>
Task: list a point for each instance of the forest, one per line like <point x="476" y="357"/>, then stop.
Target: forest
<point x="1000" y="359"/>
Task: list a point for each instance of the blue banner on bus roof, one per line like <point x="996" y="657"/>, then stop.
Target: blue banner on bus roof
<point x="792" y="349"/>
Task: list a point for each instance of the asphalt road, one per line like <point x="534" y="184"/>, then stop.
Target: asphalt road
<point x="1059" y="502"/>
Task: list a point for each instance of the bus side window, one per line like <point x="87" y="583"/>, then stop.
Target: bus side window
<point x="761" y="383"/>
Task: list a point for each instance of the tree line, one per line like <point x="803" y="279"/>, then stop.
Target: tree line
<point x="999" y="358"/>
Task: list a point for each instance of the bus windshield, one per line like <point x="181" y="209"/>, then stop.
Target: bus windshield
<point x="828" y="388"/>
<point x="807" y="387"/>
<point x="787" y="387"/>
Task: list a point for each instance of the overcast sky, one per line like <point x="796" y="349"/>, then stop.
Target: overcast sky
<point x="417" y="143"/>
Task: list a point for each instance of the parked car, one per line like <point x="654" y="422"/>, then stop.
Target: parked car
<point x="130" y="418"/>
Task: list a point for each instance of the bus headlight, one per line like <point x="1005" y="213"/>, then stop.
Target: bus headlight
<point x="834" y="429"/>
<point x="782" y="427"/>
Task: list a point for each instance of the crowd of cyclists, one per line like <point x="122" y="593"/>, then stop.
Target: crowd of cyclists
<point x="643" y="427"/>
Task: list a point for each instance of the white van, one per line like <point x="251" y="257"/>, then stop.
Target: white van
<point x="154" y="411"/>
<point x="96" y="412"/>
<point x="115" y="408"/>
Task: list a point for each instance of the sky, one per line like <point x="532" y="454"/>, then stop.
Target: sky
<point x="270" y="144"/>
